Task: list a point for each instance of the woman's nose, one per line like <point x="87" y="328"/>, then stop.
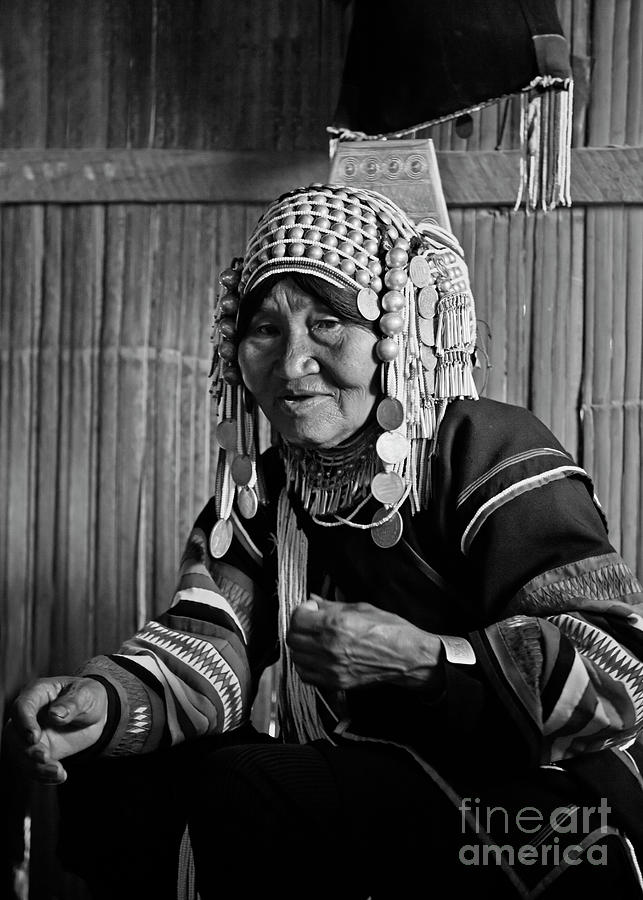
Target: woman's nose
<point x="298" y="357"/>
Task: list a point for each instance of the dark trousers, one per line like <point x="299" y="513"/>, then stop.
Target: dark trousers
<point x="293" y="822"/>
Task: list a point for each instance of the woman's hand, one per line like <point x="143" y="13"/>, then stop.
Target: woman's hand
<point x="54" y="718"/>
<point x="348" y="645"/>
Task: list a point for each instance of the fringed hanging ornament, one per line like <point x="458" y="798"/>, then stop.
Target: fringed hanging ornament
<point x="443" y="61"/>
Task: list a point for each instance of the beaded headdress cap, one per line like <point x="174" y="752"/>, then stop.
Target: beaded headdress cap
<point x="411" y="280"/>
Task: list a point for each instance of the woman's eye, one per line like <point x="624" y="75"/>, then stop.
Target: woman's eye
<point x="265" y="329"/>
<point x="327" y="324"/>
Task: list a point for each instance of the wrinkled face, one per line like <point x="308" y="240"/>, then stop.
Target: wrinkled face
<point x="313" y="373"/>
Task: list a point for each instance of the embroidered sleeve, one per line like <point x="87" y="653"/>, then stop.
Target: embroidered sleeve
<point x="193" y="670"/>
<point x="558" y="637"/>
<point x="576" y="677"/>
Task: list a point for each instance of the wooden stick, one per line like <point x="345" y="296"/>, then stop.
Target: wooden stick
<point x="631" y="490"/>
<point x="634" y="119"/>
<point x="602" y="301"/>
<point x="586" y="438"/>
<point x="135" y="410"/>
<point x="618" y="342"/>
<point x="132" y="78"/>
<point x="109" y="586"/>
<point x="25" y="61"/>
<point x="17" y="506"/>
<point x="581" y="58"/>
<point x="153" y="590"/>
<point x="599" y="111"/>
<point x="205" y="283"/>
<point x="6" y="361"/>
<point x="190" y="395"/>
<point x="517" y="357"/>
<point x="481" y="271"/>
<point x="545" y="263"/>
<point x="77" y="78"/>
<point x="167" y="387"/>
<point x="562" y="398"/>
<point x="59" y="637"/>
<point x="82" y="298"/>
<point x="619" y="76"/>
<point x="170" y="40"/>
<point x="47" y="340"/>
<point x="498" y="252"/>
<point x="574" y="328"/>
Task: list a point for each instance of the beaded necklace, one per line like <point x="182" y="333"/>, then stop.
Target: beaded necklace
<point x="329" y="480"/>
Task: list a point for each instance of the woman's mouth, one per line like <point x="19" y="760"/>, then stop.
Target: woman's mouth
<point x="300" y="401"/>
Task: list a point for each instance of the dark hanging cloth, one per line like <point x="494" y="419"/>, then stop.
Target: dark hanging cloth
<point x="415" y="63"/>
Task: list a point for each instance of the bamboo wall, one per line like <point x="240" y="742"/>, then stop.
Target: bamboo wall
<point x="106" y="447"/>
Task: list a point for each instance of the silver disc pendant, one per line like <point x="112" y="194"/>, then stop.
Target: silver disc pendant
<point x="241" y="470"/>
<point x="247" y="502"/>
<point x="419" y="271"/>
<point x="387" y="488"/>
<point x="389" y="533"/>
<point x="220" y="538"/>
<point x="427" y="298"/>
<point x="390" y="413"/>
<point x="227" y="434"/>
<point x="367" y="304"/>
<point x="392" y="447"/>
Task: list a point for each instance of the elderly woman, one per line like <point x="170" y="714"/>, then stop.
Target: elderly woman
<point x="460" y="693"/>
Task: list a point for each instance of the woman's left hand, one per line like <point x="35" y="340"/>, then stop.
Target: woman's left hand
<point x="347" y="645"/>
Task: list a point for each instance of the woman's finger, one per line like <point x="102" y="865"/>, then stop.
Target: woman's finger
<point x="82" y="702"/>
<point x="38" y="754"/>
<point x="73" y="702"/>
<point x="307" y="618"/>
<point x="304" y="641"/>
<point x="49" y="773"/>
<point x="27" y="706"/>
<point x="321" y="602"/>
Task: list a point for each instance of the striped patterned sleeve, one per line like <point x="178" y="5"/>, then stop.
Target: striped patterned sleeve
<point x="192" y="670"/>
<point x="573" y="680"/>
<point x="559" y="644"/>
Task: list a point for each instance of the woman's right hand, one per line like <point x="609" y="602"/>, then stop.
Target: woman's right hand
<point x="53" y="718"/>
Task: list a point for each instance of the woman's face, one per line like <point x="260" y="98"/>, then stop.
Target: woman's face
<point x="313" y="373"/>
